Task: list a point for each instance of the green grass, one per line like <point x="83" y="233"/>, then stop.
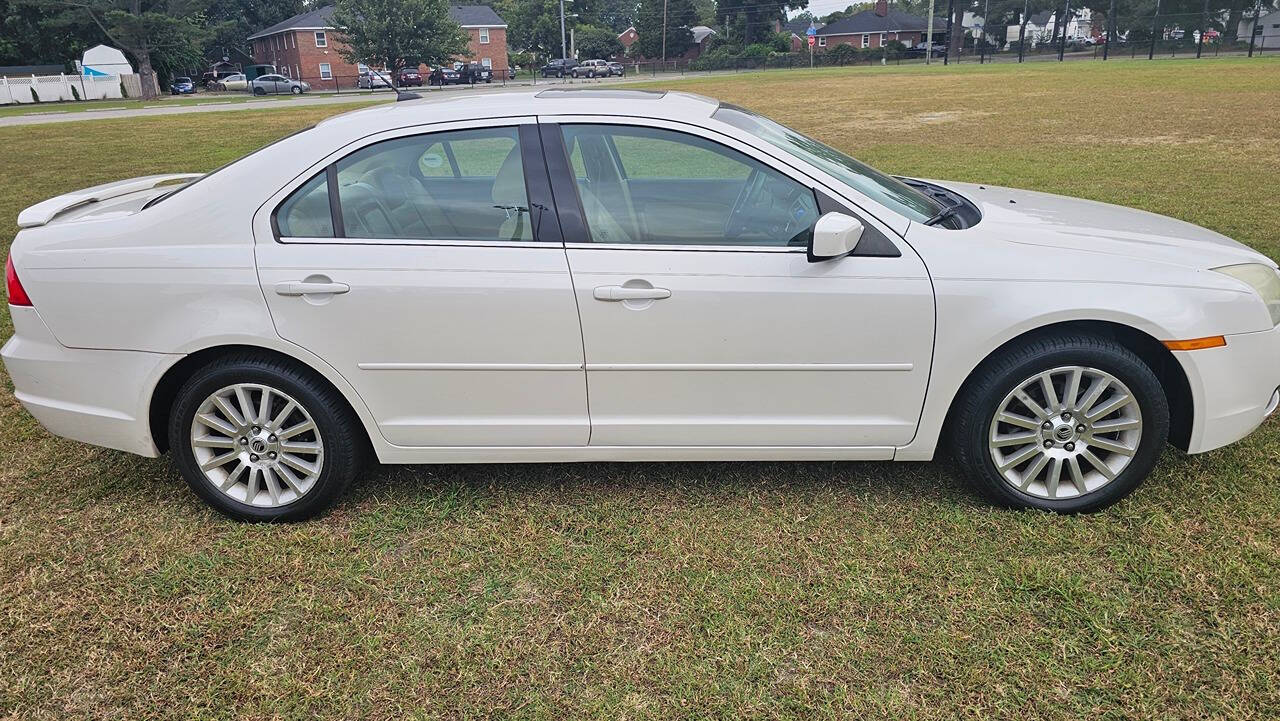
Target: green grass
<point x="762" y="590"/>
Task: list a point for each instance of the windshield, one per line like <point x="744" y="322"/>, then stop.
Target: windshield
<point x="881" y="188"/>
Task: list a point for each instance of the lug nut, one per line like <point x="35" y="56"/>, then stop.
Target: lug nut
<point x="1047" y="426"/>
<point x="244" y="441"/>
<point x="253" y="457"/>
<point x="1066" y="415"/>
<point x="271" y="438"/>
<point x="1070" y="447"/>
<point x="1048" y="444"/>
<point x="272" y="455"/>
<point x="256" y="429"/>
<point x="1080" y="428"/>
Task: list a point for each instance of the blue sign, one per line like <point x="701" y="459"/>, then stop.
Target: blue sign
<point x="812" y="30"/>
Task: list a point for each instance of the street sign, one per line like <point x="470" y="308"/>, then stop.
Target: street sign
<point x="811" y="31"/>
<point x="812" y="40"/>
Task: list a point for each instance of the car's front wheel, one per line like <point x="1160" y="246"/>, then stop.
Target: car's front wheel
<point x="1066" y="424"/>
<point x="296" y="90"/>
<point x="260" y="440"/>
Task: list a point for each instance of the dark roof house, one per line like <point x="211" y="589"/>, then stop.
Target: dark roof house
<point x="868" y="21"/>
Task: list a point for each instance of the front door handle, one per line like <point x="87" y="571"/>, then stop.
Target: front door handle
<point x="622" y="292"/>
<point x="309" y="287"/>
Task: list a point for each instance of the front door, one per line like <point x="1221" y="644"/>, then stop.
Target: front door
<point x="432" y="290"/>
<point x="704" y="324"/>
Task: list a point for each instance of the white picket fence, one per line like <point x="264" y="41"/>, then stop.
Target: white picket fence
<point x="50" y="88"/>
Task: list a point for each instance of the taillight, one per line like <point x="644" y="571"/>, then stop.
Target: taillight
<point x="17" y="296"/>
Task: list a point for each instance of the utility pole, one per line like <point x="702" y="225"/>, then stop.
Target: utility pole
<point x="986" y="8"/>
<point x="664" y="32"/>
<point x="564" y="45"/>
<point x="1253" y="29"/>
<point x="1204" y="28"/>
<point x="1111" y="30"/>
<point x="1151" y="52"/>
<point x="946" y="58"/>
<point x="1066" y="21"/>
<point x="928" y="42"/>
<point x="1022" y="31"/>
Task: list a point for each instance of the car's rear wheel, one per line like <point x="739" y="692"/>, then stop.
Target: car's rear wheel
<point x="259" y="90"/>
<point x="1066" y="424"/>
<point x="261" y="441"/>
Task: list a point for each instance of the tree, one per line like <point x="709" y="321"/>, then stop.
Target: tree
<point x="171" y="30"/>
<point x="231" y="22"/>
<point x="596" y="42"/>
<point x="533" y="25"/>
<point x="751" y="21"/>
<point x="398" y="33"/>
<point x="680" y="16"/>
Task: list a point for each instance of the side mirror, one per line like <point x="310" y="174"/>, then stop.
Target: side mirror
<point x="835" y="235"/>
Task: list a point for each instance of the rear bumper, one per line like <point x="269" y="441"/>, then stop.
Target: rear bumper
<point x="100" y="397"/>
<point x="1235" y="388"/>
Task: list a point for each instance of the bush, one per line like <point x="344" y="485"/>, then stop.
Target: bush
<point x="123" y="93"/>
<point x="75" y="92"/>
<point x="894" y="50"/>
<point x="842" y="54"/>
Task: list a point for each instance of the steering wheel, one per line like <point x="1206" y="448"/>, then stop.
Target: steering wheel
<point x="776" y="219"/>
<point x="735" y="225"/>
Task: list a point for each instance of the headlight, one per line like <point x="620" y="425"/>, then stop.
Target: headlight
<point x="1264" y="280"/>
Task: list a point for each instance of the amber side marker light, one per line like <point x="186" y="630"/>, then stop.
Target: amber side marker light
<point x="1213" y="341"/>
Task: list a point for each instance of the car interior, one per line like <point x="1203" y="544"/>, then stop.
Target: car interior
<point x="654" y="186"/>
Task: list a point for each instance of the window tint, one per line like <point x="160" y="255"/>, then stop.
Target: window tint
<point x="654" y="186"/>
<point x="305" y="213"/>
<point x="461" y="185"/>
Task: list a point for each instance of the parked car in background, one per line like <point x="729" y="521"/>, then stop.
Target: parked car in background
<point x="918" y="51"/>
<point x="409" y="77"/>
<point x="182" y="85"/>
<point x="473" y="73"/>
<point x="444" y="76"/>
<point x="372" y="80"/>
<point x="617" y="69"/>
<point x="212" y="77"/>
<point x="558" y="68"/>
<point x="232" y="82"/>
<point x="407" y="285"/>
<point x="591" y="69"/>
<point x="276" y="84"/>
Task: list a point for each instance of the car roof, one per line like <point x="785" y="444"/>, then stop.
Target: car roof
<point x="638" y="103"/>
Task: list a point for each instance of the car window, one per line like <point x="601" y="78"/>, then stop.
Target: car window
<point x="654" y="186"/>
<point x="305" y="213"/>
<point x="459" y="185"/>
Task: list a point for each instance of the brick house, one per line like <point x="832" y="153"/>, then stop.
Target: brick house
<point x="875" y="28"/>
<point x="305" y="47"/>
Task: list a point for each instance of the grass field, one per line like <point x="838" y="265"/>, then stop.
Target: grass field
<point x="720" y="590"/>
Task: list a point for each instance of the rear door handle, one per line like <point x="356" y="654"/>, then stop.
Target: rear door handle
<point x="303" y="287"/>
<point x="622" y="292"/>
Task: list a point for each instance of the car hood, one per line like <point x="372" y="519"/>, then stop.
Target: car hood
<point x="1029" y="217"/>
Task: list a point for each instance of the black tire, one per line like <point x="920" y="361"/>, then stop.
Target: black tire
<point x="975" y="408"/>
<point x="296" y="89"/>
<point x="337" y="427"/>
<point x="259" y="90"/>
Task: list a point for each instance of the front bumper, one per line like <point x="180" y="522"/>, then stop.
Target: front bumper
<point x="100" y="397"/>
<point x="1234" y="388"/>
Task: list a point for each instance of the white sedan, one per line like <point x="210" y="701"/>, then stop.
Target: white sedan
<point x="606" y="275"/>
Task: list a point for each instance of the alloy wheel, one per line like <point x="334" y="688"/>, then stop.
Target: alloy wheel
<point x="1065" y="432"/>
<point x="257" y="445"/>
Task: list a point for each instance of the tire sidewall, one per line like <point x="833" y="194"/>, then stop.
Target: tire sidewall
<point x="1126" y="367"/>
<point x="339" y="450"/>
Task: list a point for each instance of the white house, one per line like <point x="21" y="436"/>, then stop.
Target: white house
<point x="1042" y="26"/>
<point x="103" y="61"/>
<point x="1266" y="33"/>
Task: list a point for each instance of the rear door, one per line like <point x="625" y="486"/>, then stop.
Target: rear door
<point x="412" y="264"/>
<point x="705" y="324"/>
